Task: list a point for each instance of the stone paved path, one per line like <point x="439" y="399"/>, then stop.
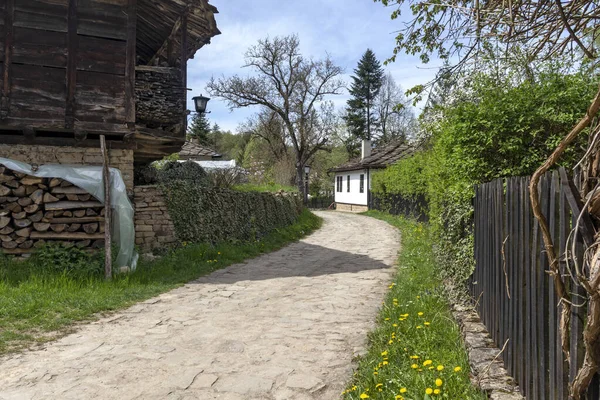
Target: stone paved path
<point x="282" y="326"/>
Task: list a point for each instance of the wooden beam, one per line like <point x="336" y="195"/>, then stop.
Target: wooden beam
<point x="8" y="45"/>
<point x="67" y="235"/>
<point x="107" y="211"/>
<point x="130" y="64"/>
<point x="184" y="52"/>
<point x="174" y="32"/>
<point x="71" y="78"/>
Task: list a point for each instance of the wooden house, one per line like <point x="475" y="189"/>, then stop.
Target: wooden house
<point x="72" y="70"/>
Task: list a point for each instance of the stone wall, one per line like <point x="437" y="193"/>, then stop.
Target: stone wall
<point x="355" y="208"/>
<point x="35" y="154"/>
<point x="153" y="225"/>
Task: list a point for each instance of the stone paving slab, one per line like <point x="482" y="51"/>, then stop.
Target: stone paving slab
<point x="285" y="325"/>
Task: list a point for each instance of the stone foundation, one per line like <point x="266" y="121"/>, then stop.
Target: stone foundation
<point x="121" y="159"/>
<point x="153" y="225"/>
<point x="355" y="208"/>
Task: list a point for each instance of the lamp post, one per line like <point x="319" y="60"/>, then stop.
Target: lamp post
<point x="306" y="172"/>
<point x="200" y="103"/>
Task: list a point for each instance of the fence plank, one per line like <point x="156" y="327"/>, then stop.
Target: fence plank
<point x="552" y="295"/>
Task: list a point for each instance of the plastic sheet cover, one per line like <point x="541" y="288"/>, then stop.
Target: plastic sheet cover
<point x="89" y="178"/>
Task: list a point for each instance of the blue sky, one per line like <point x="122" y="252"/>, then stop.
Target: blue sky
<point x="342" y="29"/>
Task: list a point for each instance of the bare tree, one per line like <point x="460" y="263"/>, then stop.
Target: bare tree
<point x="291" y="86"/>
<point x="268" y="127"/>
<point x="396" y="118"/>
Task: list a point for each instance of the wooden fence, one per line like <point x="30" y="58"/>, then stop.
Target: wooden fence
<point x="396" y="204"/>
<point x="514" y="294"/>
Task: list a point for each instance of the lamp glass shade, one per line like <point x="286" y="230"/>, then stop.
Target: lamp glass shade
<point x="307" y="169"/>
<point x="200" y="103"/>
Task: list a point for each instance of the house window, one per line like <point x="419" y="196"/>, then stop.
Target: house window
<point x="338" y="184"/>
<point x="362" y="183"/>
<point x="348" y="180"/>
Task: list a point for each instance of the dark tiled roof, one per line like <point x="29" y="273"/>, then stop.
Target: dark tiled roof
<point x="380" y="157"/>
<point x="191" y="150"/>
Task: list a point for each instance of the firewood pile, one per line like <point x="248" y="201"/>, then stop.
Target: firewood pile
<point x="34" y="211"/>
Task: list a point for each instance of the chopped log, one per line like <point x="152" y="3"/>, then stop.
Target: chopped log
<point x="6" y="178"/>
<point x="6" y="238"/>
<point x="2" y="169"/>
<point x="84" y="197"/>
<point x="37" y="217"/>
<point x="66" y="235"/>
<point x="103" y="212"/>
<point x="32" y="208"/>
<point x="101" y="228"/>
<point x="20" y="240"/>
<point x="18" y="252"/>
<point x="4" y="191"/>
<point x="11" y="199"/>
<point x="58" y="228"/>
<point x="58" y="213"/>
<point x="19" y="174"/>
<point x="25" y="232"/>
<point x="98" y="244"/>
<point x="76" y="220"/>
<point x="28" y="244"/>
<point x="72" y="197"/>
<point x="67" y="214"/>
<point x="30" y="189"/>
<point x="3" y="199"/>
<point x="90" y="228"/>
<point x="4" y="213"/>
<point x="74" y="228"/>
<point x="83" y="243"/>
<point x="19" y="192"/>
<point x="60" y="196"/>
<point x="14" y="207"/>
<point x="39" y="243"/>
<point x="7" y="230"/>
<point x="43" y="187"/>
<point x="66" y="184"/>
<point x="68" y="190"/>
<point x="54" y="182"/>
<point x="12" y="184"/>
<point x="69" y="205"/>
<point x="4" y="221"/>
<point x="41" y="226"/>
<point x="19" y="215"/>
<point x="79" y="213"/>
<point x="24" y="201"/>
<point x="49" y="214"/>
<point x="10" y="245"/>
<point x="31" y="180"/>
<point x="48" y="198"/>
<point x="22" y="223"/>
<point x="37" y="196"/>
<point x="91" y="212"/>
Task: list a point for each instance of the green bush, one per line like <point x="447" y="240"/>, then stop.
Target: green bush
<point x="187" y="171"/>
<point x="58" y="258"/>
<point x="221" y="215"/>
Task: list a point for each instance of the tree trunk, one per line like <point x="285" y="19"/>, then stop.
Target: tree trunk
<point x="300" y="178"/>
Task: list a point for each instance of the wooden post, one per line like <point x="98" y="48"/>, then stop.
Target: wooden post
<point x="107" y="210"/>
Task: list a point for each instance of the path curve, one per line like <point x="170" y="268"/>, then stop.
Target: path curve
<point x="284" y="326"/>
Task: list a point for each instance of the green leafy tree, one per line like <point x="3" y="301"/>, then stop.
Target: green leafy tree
<point x="199" y="129"/>
<point x="366" y="83"/>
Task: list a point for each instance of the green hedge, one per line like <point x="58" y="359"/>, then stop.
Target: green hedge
<point x="213" y="215"/>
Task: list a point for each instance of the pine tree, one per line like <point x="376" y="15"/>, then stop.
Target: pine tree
<point x="199" y="129"/>
<point x="366" y="83"/>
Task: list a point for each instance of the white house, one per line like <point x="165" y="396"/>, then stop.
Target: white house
<point x="353" y="180"/>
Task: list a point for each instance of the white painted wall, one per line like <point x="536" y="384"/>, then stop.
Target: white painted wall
<point x="354" y="196"/>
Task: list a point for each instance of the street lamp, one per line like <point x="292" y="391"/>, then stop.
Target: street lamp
<point x="306" y="172"/>
<point x="200" y="103"/>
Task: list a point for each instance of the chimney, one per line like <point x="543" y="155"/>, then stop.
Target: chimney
<point x="365" y="149"/>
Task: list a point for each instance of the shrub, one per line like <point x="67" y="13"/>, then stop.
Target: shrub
<point x="187" y="171"/>
<point x="56" y="257"/>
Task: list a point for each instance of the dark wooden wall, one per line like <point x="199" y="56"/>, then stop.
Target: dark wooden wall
<point x="67" y="66"/>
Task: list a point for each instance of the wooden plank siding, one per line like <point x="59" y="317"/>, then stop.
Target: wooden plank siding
<point x="510" y="256"/>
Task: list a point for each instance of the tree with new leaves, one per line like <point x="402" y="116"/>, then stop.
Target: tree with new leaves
<point x="199" y="129"/>
<point x="397" y="121"/>
<point x="541" y="30"/>
<point x="366" y="83"/>
<point x="292" y="86"/>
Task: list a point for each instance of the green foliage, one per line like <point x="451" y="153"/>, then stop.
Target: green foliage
<point x="493" y="129"/>
<point x="365" y="87"/>
<point x="218" y="215"/>
<point x="414" y="321"/>
<point x="36" y="306"/>
<point x="272" y="188"/>
<point x="199" y="129"/>
<point x="187" y="171"/>
<point x="69" y="259"/>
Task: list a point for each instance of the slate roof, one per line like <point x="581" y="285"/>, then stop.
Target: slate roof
<point x="380" y="157"/>
<point x="192" y="150"/>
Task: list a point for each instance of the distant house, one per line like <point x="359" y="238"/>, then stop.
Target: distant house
<point x="196" y="152"/>
<point x="353" y="179"/>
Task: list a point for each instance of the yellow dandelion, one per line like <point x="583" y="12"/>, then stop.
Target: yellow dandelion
<point x="437" y="391"/>
<point x="427" y="362"/>
<point x="414" y="366"/>
<point x="387" y="319"/>
<point x="440" y="367"/>
<point x="427" y="391"/>
<point x="398" y="397"/>
<point x="418" y="297"/>
<point x="403" y="390"/>
<point x="218" y="252"/>
<point x="379" y="385"/>
<point x="432" y="367"/>
<point x="385" y="353"/>
<point x="420" y="314"/>
<point x="385" y="363"/>
<point x="364" y="396"/>
<point x="419" y="327"/>
<point x="457" y="369"/>
<point x="414" y="357"/>
<point x="438" y="382"/>
<point x="426" y="323"/>
<point x="391" y="341"/>
<point x="394" y="325"/>
<point x="375" y="373"/>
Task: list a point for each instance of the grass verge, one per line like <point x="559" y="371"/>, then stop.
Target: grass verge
<point x="37" y="306"/>
<point x="251" y="187"/>
<point x="416" y="350"/>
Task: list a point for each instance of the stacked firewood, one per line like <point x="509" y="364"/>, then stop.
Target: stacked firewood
<point x="35" y="210"/>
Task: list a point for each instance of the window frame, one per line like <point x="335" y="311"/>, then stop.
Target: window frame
<point x="362" y="183"/>
<point x="348" y="184"/>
